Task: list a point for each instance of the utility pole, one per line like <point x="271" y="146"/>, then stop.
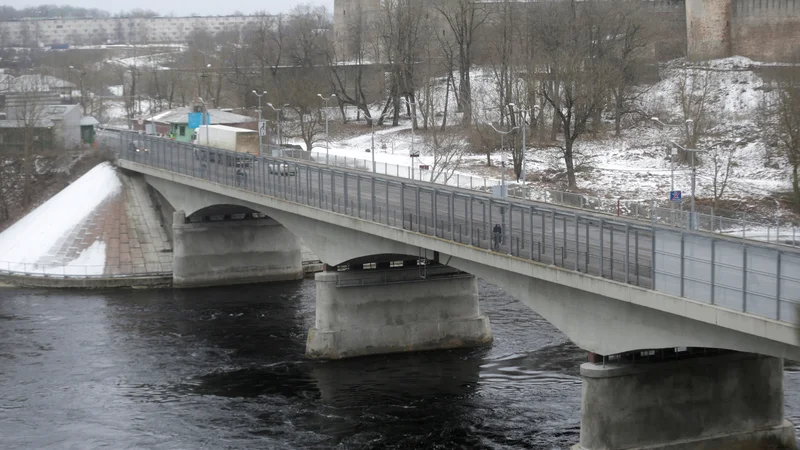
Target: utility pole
<point x="277" y="122"/>
<point x="413" y="107"/>
<point x="206" y="118"/>
<point x="524" y="125"/>
<point x="327" y="139"/>
<point x="688" y="123"/>
<point x="260" y="124"/>
<point x="372" y="149"/>
<point x="503" y="191"/>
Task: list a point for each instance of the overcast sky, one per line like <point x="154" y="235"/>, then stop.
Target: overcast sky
<point x="185" y="7"/>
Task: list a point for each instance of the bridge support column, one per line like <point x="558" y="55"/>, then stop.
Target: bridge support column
<point x="386" y="311"/>
<point x="233" y="252"/>
<point x="730" y="401"/>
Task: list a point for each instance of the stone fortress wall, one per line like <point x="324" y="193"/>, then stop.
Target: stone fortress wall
<point x="763" y="30"/>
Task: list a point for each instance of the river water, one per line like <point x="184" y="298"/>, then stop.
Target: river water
<point x="224" y="368"/>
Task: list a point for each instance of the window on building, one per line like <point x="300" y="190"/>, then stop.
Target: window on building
<point x="182" y="130"/>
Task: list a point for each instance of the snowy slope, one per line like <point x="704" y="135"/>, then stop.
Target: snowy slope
<point x="30" y="240"/>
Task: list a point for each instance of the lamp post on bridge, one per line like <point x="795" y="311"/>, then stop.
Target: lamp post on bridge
<point x="260" y="124"/>
<point x="277" y="122"/>
<point x="688" y="123"/>
<point x="503" y="191"/>
<point x="372" y="149"/>
<point x="534" y="115"/>
<point x="327" y="139"/>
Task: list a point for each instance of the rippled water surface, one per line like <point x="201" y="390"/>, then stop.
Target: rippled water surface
<point x="224" y="368"/>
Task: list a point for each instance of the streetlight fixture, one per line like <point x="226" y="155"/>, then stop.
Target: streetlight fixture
<point x="327" y="139"/>
<point x="205" y="116"/>
<point x="277" y="122"/>
<point x="263" y="93"/>
<point x="413" y="107"/>
<point x="503" y="191"/>
<point x="372" y="150"/>
<point x="688" y="123"/>
<point x="534" y="115"/>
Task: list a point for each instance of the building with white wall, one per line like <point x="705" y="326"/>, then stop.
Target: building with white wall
<point x="132" y="30"/>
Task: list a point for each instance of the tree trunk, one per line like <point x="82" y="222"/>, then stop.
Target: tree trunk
<point x="796" y="186"/>
<point x="556" y="107"/>
<point x="573" y="184"/>
<point x="618" y="114"/>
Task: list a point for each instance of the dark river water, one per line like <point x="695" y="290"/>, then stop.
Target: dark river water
<point x="223" y="368"/>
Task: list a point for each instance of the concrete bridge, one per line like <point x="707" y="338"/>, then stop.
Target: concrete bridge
<point x="686" y="332"/>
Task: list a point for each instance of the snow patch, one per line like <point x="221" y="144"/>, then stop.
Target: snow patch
<point x="30" y="239"/>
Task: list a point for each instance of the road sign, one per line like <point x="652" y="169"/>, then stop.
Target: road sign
<point x="414" y="154"/>
<point x="262" y="128"/>
<point x="674" y="196"/>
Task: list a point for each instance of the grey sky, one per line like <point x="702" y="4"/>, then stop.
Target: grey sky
<point x="185" y="7"/>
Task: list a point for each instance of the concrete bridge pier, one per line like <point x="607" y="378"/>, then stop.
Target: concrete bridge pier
<point x="233" y="252"/>
<point x="368" y="312"/>
<point x="731" y="401"/>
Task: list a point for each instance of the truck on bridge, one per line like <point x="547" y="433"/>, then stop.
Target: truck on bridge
<point x="228" y="138"/>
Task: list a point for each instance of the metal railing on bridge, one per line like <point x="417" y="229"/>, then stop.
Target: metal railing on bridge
<point x="743" y="275"/>
<point x="646" y="210"/>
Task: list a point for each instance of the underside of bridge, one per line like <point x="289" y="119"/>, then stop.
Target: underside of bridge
<point x="225" y="244"/>
<point x="394" y="303"/>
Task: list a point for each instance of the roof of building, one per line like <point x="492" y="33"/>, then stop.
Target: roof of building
<point x="229" y="128"/>
<point x="181" y="115"/>
<point x="45" y="118"/>
<point x="34" y="83"/>
<point x="88" y="120"/>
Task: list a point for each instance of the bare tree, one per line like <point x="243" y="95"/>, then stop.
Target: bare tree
<point x="782" y="124"/>
<point x="723" y="167"/>
<point x="629" y="42"/>
<point x="464" y="18"/>
<point x="693" y="93"/>
<point x="574" y="45"/>
<point x="349" y="61"/>
<point x="447" y="149"/>
<point x="28" y="112"/>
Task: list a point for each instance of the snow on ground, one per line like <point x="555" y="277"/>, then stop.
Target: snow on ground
<point x="29" y="241"/>
<point x="633" y="167"/>
<point x="91" y="261"/>
<point x="116" y="90"/>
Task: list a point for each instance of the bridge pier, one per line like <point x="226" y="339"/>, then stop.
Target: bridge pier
<point x="233" y="252"/>
<point x="731" y="401"/>
<point x="387" y="311"/>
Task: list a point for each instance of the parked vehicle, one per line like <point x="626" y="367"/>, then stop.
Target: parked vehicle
<point x="282" y="169"/>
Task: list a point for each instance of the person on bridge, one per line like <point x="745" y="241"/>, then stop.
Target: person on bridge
<point x="497" y="233"/>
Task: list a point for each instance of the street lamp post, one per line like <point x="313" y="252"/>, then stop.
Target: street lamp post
<point x="205" y="117"/>
<point x="327" y="139"/>
<point x="413" y="107"/>
<point x="522" y="112"/>
<point x="372" y="149"/>
<point x="277" y="122"/>
<point x="688" y="123"/>
<point x="503" y="134"/>
<point x="263" y="93"/>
